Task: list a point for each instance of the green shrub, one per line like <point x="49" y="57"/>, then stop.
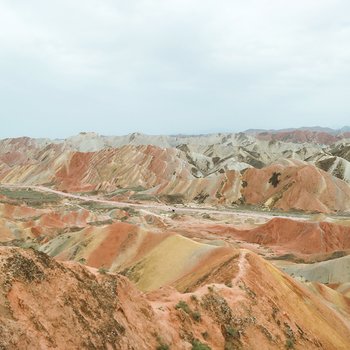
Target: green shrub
<point x="196" y="315"/>
<point x="183" y="306"/>
<point x="102" y="270"/>
<point x="232" y="332"/>
<point x="194" y="297"/>
<point x="197" y="345"/>
<point x="289" y="343"/>
<point x="205" y="335"/>
<point x="161" y="344"/>
<point x="82" y="261"/>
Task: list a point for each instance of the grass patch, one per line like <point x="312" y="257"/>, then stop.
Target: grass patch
<point x="144" y="197"/>
<point x="97" y="206"/>
<point x="173" y="198"/>
<point x="29" y="196"/>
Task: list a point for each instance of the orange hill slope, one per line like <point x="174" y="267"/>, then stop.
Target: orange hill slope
<point x="291" y="184"/>
<point x="151" y="171"/>
<point x="296" y="236"/>
<point x="46" y="304"/>
<point x="307" y="238"/>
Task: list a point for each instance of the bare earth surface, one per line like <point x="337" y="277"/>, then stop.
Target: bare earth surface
<point x="223" y="241"/>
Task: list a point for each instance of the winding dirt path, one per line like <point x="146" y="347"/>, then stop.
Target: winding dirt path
<point x="156" y="206"/>
<point x="242" y="267"/>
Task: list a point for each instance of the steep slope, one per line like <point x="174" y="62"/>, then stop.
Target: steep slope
<point x="171" y="260"/>
<point x="342" y="150"/>
<point x="216" y="169"/>
<point x="46" y="304"/>
<point x="291" y="184"/>
<point x="336" y="166"/>
<point x="332" y="271"/>
<point x="298" y="236"/>
<point x="113" y="247"/>
<point x="293" y="239"/>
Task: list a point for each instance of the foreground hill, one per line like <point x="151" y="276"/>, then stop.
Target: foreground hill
<point x="46" y="304"/>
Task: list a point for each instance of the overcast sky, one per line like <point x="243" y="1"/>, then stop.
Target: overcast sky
<point x="172" y="66"/>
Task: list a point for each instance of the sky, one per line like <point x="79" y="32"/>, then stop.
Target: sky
<point x="172" y="66"/>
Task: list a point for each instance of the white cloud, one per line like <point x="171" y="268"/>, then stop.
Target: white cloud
<point x="212" y="65"/>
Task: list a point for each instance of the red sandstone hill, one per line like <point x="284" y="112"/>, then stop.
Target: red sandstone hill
<point x="155" y="172"/>
<point x="295" y="185"/>
<point x="299" y="236"/>
<point x="174" y="175"/>
<point x="46" y="304"/>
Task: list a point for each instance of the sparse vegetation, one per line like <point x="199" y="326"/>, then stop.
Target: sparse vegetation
<point x="290" y="338"/>
<point x="20" y="267"/>
<point x="232" y="337"/>
<point x="196" y="315"/>
<point x="232" y="332"/>
<point x="101" y="223"/>
<point x="102" y="270"/>
<point x="211" y="288"/>
<point x="163" y="346"/>
<point x="173" y="198"/>
<point x="131" y="211"/>
<point x="197" y="345"/>
<point x="218" y="195"/>
<point x="29" y="196"/>
<point x="144" y="197"/>
<point x="201" y="197"/>
<point x="194" y="297"/>
<point x="229" y="284"/>
<point x="205" y="335"/>
<point x="289" y="343"/>
<point x="96" y="206"/>
<point x="183" y="306"/>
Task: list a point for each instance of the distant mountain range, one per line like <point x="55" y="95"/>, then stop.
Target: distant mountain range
<point x="305" y="128"/>
<point x="217" y="168"/>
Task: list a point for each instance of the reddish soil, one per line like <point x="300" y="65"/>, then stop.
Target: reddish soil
<point x="46" y="304"/>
